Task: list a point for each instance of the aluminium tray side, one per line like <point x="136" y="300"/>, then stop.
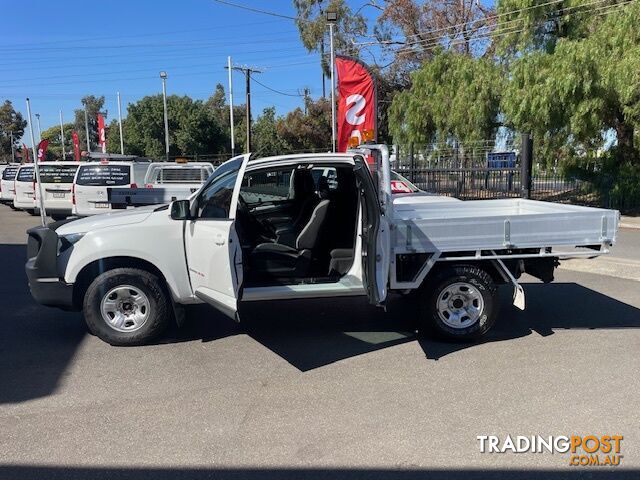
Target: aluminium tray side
<point x="498" y="224"/>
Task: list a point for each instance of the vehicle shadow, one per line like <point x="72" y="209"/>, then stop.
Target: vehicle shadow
<point x="27" y="472"/>
<point x="313" y="333"/>
<point x="36" y="343"/>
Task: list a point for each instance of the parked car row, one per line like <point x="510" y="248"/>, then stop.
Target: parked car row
<point x="83" y="189"/>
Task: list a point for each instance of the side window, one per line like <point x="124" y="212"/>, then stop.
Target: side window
<point x="215" y="199"/>
<point x="266" y="186"/>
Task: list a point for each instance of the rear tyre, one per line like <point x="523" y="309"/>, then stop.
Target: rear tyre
<point x="57" y="218"/>
<point x="460" y="303"/>
<point x="31" y="211"/>
<point x="126" y="306"/>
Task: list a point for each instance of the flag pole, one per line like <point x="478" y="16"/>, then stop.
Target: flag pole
<point x="332" y="18"/>
<point x="43" y="213"/>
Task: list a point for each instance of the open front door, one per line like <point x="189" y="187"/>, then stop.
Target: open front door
<point x="214" y="256"/>
<point x="376" y="235"/>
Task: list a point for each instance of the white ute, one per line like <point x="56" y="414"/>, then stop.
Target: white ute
<point x="276" y="228"/>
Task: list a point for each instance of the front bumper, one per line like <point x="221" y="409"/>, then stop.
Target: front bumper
<point x="45" y="282"/>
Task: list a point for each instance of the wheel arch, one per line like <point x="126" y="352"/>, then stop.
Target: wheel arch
<point x="488" y="266"/>
<point x="97" y="267"/>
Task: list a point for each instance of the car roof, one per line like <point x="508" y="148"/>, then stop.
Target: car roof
<point x="99" y="163"/>
<point x="346" y="158"/>
<point x="177" y="164"/>
<point x="66" y="163"/>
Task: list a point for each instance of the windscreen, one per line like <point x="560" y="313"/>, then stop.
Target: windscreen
<point x="25" y="174"/>
<point x="57" y="173"/>
<point x="9" y="173"/>
<point x="104" y="175"/>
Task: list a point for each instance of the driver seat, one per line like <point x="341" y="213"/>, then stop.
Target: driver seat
<point x="277" y="259"/>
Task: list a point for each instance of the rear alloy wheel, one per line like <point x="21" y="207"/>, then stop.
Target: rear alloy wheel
<point x="126" y="306"/>
<point x="460" y="303"/>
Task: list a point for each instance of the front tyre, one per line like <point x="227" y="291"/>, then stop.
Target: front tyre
<point x="460" y="303"/>
<point x="126" y="306"/>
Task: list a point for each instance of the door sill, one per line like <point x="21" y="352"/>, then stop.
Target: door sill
<point x="284" y="292"/>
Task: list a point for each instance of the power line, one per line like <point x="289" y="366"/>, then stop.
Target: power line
<point x="485" y="19"/>
<point x="158" y="34"/>
<point x="277" y="91"/>
<point x="431" y="43"/>
<point x="258" y="10"/>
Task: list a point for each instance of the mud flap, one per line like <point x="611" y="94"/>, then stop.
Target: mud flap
<point x="518" y="291"/>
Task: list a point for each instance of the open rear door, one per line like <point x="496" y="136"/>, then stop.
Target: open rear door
<point x="213" y="250"/>
<point x="376" y="210"/>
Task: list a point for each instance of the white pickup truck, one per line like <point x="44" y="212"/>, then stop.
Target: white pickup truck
<point x="277" y="229"/>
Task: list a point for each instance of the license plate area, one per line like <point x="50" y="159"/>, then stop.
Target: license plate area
<point x="59" y="194"/>
<point x="101" y="205"/>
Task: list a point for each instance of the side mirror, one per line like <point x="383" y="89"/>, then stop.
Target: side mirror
<point x="181" y="210"/>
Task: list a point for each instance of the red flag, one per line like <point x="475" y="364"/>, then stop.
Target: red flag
<point x="25" y="154"/>
<point x="357" y="110"/>
<point x="102" y="137"/>
<point x="42" y="150"/>
<point x="76" y="146"/>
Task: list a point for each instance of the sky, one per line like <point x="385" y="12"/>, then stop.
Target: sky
<point x="56" y="52"/>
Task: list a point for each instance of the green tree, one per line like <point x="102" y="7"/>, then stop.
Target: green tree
<point x="193" y="129"/>
<point x="93" y="106"/>
<point x="219" y="107"/>
<point x="266" y="140"/>
<point x="310" y="130"/>
<point x="54" y="151"/>
<point x="575" y="82"/>
<point x="452" y="96"/>
<point x="10" y="121"/>
<point x="312" y="24"/>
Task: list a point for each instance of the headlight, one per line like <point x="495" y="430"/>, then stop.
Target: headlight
<point x="66" y="241"/>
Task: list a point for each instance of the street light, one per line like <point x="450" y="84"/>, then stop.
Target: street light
<point x="332" y="18"/>
<point x="86" y="125"/>
<point x="38" y="124"/>
<point x="163" y="76"/>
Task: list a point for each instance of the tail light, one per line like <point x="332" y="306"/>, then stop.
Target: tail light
<point x="134" y="185"/>
<point x="73" y="194"/>
<point x="148" y="185"/>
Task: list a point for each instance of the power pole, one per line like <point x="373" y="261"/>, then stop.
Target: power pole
<point x="305" y="94"/>
<point x="247" y="73"/>
<point x="324" y="89"/>
<point x="231" y="124"/>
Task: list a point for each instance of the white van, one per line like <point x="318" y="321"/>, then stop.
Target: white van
<point x="57" y="180"/>
<point x="6" y="183"/>
<point x="93" y="179"/>
<point x="24" y="184"/>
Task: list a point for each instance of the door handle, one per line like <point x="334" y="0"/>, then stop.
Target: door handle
<point x="219" y="239"/>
